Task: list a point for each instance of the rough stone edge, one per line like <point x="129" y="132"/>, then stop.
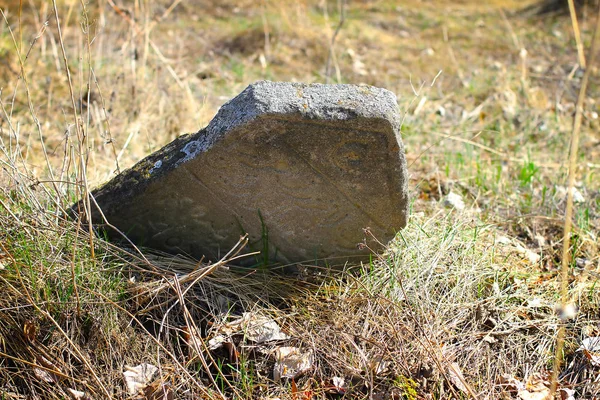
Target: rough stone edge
<point x="311" y="101"/>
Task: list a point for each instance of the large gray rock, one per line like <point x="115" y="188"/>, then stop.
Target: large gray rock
<point x="301" y="168"/>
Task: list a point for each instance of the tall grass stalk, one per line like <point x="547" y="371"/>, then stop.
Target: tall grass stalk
<point x="577" y="34"/>
<point x="566" y="249"/>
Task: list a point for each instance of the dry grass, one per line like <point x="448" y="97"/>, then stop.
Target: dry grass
<point x="457" y="290"/>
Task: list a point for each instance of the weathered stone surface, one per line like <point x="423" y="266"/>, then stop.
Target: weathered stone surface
<point x="311" y="164"/>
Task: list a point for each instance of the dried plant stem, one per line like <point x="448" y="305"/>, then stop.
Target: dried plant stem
<point x="88" y="42"/>
<point x="107" y="120"/>
<point x="73" y="275"/>
<point x="20" y="48"/>
<point x="331" y="53"/>
<point x="569" y="211"/>
<point x="266" y="31"/>
<point x="459" y="71"/>
<point x="30" y="103"/>
<point x="80" y="134"/>
<point x="577" y="33"/>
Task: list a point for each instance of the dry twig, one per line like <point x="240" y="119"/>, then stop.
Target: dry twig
<point x="566" y="254"/>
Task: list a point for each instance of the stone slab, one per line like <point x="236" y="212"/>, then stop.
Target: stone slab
<point x="301" y="168"/>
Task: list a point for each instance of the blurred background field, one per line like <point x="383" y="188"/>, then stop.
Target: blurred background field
<point x="487" y="90"/>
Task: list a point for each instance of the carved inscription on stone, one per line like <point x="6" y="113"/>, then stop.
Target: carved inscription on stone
<point x="312" y="165"/>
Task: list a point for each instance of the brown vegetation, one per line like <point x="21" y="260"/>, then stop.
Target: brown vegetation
<point x="461" y="303"/>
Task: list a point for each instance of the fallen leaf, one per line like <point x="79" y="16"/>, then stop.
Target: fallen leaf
<point x="158" y="390"/>
<point x="593" y="358"/>
<point x="503" y="240"/>
<point x="567" y="394"/>
<point x="338" y="382"/>
<point x="338" y="386"/>
<point x="532" y="256"/>
<point x="536" y="388"/>
<point x="454" y="200"/>
<point x="378" y="365"/>
<point x="46" y="374"/>
<point x="527" y="395"/>
<point x="43" y="375"/>
<point x="489" y="339"/>
<point x="78" y="395"/>
<point x="255" y="327"/>
<point x="300" y="395"/>
<point x="137" y="378"/>
<point x="457" y="378"/>
<point x="217" y="342"/>
<point x="290" y="362"/>
<point x="590" y="344"/>
<point x="591" y="349"/>
<point x="535" y="303"/>
<point x="511" y="383"/>
<point x="561" y="192"/>
<point x="260" y="329"/>
<point x="541" y="241"/>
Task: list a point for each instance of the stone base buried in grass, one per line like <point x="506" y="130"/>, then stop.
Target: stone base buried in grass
<point x="301" y="168"/>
